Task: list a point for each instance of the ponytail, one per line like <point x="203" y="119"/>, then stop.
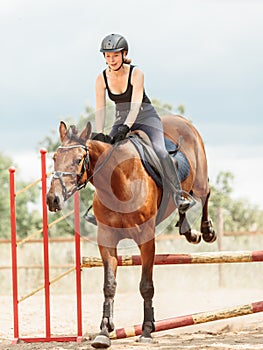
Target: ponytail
<point x="126" y="59"/>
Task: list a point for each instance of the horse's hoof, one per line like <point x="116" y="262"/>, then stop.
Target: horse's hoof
<point x="147" y="340"/>
<point x="101" y="342"/>
<point x="193" y="237"/>
<point x="208" y="232"/>
<point x="209" y="237"/>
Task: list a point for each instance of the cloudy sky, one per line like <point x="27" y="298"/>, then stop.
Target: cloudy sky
<point x="205" y="54"/>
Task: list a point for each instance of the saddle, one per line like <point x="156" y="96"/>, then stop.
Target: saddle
<point x="151" y="161"/>
<point x="153" y="166"/>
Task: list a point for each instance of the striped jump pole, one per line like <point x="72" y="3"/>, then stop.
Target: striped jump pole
<point x="189" y="320"/>
<point x="195" y="258"/>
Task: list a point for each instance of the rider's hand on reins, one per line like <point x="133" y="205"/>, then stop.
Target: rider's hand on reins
<point x="121" y="133"/>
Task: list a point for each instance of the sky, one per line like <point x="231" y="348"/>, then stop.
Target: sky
<point x="204" y="54"/>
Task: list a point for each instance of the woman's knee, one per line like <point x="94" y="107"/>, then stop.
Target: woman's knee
<point x="159" y="150"/>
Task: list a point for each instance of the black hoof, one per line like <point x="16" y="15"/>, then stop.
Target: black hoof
<point x="101" y="342"/>
<point x="193" y="237"/>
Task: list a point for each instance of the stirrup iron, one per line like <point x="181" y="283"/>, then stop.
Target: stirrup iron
<point x="182" y="196"/>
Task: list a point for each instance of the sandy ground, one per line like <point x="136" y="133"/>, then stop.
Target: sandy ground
<point x="245" y="332"/>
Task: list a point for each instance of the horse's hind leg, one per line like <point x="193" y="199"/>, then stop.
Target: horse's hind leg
<point x="207" y="230"/>
<point x="147" y="289"/>
<point x="109" y="257"/>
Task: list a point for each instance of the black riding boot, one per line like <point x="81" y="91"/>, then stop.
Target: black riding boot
<point x="171" y="179"/>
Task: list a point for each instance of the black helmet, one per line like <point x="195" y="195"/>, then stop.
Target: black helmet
<point x="114" y="43"/>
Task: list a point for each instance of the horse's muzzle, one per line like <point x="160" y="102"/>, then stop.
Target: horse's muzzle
<point x="54" y="202"/>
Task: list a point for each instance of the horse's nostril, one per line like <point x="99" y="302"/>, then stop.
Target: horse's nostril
<point x="56" y="200"/>
<point x="53" y="202"/>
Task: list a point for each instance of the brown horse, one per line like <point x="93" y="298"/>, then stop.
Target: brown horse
<point x="126" y="202"/>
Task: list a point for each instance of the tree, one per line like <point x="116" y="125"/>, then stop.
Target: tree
<point x="4" y="202"/>
<point x="166" y="108"/>
<point x="239" y="215"/>
<point x="28" y="216"/>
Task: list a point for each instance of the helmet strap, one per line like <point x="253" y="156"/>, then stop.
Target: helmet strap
<point x="115" y="70"/>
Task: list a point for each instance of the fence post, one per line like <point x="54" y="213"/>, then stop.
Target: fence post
<point x="13" y="251"/>
<point x="220" y="233"/>
<point x="78" y="264"/>
<point x="45" y="240"/>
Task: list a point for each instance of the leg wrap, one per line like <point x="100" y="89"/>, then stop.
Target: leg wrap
<point x="149" y="317"/>
<point x="107" y="317"/>
<point x="207" y="226"/>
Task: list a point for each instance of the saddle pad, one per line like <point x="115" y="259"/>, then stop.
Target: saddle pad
<point x="152" y="164"/>
<point x="182" y="161"/>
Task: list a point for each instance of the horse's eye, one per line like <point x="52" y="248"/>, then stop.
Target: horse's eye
<point x="77" y="161"/>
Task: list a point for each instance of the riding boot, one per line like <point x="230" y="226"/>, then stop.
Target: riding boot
<point x="171" y="179"/>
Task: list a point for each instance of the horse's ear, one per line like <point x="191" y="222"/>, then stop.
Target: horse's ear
<point x="62" y="130"/>
<point x="86" y="133"/>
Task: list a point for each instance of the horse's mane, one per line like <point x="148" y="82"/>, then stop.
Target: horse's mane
<point x="101" y="137"/>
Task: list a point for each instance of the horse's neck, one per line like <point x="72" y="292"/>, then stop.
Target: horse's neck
<point x="98" y="152"/>
<point x="114" y="169"/>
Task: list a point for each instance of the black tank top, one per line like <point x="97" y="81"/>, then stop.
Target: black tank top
<point x="124" y="99"/>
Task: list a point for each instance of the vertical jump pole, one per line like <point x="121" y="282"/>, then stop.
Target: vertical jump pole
<point x="78" y="264"/>
<point x="14" y="252"/>
<point x="45" y="240"/>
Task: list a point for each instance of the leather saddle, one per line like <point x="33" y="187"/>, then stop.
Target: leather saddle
<point x="151" y="161"/>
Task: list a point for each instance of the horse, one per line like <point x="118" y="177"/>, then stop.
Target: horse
<point x="126" y="202"/>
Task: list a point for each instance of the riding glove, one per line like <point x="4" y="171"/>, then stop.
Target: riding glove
<point x="121" y="133"/>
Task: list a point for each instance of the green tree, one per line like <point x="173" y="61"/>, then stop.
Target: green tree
<point x="164" y="108"/>
<point x="4" y="202"/>
<point x="239" y="214"/>
<point x="27" y="214"/>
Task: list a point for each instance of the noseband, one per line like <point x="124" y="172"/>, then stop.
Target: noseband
<point x="79" y="184"/>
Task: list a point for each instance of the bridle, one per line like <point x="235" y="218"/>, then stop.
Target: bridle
<point x="85" y="168"/>
<point x="79" y="176"/>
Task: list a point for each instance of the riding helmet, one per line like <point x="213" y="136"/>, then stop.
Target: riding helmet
<point x="114" y="43"/>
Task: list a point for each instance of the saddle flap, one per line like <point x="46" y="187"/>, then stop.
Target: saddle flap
<point x="151" y="161"/>
<point x="148" y="156"/>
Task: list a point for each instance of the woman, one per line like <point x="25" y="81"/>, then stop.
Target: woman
<point x="124" y="84"/>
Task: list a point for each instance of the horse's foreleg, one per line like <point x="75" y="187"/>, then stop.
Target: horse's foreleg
<point x="147" y="289"/>
<point x="109" y="258"/>
<point x="185" y="229"/>
<point x="208" y="232"/>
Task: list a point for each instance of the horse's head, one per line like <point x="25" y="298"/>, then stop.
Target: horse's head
<point x="71" y="163"/>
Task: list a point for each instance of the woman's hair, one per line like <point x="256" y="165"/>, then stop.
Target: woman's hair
<point x="127" y="60"/>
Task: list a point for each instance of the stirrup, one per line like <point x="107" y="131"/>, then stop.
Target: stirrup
<point x="184" y="201"/>
<point x="90" y="217"/>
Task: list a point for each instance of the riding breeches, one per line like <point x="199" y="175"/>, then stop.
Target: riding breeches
<point x="149" y="122"/>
